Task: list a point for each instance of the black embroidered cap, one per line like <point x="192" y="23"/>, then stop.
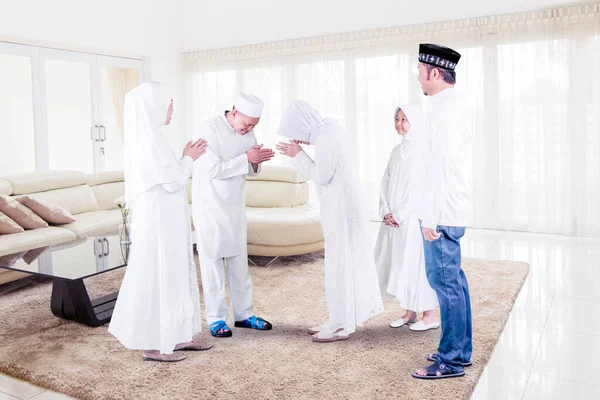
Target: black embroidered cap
<point x="439" y="56"/>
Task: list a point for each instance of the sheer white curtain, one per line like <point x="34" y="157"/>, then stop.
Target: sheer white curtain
<point x="533" y="88"/>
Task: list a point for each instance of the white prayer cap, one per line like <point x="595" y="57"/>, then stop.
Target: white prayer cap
<point x="249" y="105"/>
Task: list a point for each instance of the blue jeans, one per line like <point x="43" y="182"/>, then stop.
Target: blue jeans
<point x="442" y="264"/>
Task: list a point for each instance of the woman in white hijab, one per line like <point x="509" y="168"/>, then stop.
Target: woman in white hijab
<point x="351" y="286"/>
<point x="158" y="307"/>
<point x="399" y="249"/>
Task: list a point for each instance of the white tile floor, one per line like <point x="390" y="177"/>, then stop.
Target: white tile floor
<point x="551" y="341"/>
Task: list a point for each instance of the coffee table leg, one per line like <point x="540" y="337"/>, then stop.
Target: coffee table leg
<point x="70" y="300"/>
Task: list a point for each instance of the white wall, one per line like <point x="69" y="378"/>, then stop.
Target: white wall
<point x="149" y="28"/>
<point x="214" y="24"/>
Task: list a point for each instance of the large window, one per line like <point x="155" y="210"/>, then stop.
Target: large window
<point x="533" y="109"/>
<point x="17" y="143"/>
<point x="533" y="97"/>
<point x="62" y="110"/>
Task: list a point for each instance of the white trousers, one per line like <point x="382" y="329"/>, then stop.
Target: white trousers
<point x="240" y="288"/>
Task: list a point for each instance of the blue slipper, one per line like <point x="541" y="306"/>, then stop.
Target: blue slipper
<point x="216" y="326"/>
<point x="254" y="322"/>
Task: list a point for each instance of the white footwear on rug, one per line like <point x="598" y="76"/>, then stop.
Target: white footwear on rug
<point x="422" y="327"/>
<point x="397" y="323"/>
<point x="326" y="336"/>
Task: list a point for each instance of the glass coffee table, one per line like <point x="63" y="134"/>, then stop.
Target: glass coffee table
<point x="68" y="264"/>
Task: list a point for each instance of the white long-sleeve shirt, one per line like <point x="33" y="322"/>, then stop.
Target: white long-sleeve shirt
<point x="218" y="190"/>
<point x="447" y="190"/>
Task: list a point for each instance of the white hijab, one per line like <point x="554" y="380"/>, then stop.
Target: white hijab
<point x="418" y="129"/>
<point x="301" y="122"/>
<point x="147" y="151"/>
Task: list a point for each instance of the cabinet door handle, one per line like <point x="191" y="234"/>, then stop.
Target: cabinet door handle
<point x="102" y="252"/>
<point x="92" y="133"/>
<point x="107" y="246"/>
<point x="103" y="133"/>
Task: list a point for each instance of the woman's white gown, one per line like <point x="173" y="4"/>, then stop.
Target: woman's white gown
<point x="399" y="251"/>
<point x="159" y="303"/>
<point x="352" y="291"/>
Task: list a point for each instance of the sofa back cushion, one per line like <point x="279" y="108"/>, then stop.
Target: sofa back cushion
<point x="107" y="193"/>
<point x="5" y="187"/>
<point x="276" y="186"/>
<point x="105" y="177"/>
<point x="75" y="200"/>
<point x="270" y="194"/>
<point x="44" y="181"/>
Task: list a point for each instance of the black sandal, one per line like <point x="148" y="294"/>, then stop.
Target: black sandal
<point x="438" y="371"/>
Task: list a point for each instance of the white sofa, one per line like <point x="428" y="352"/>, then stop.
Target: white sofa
<point x="88" y="197"/>
<point x="280" y="220"/>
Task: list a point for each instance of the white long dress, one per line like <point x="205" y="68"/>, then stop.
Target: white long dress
<point x="158" y="304"/>
<point x="399" y="251"/>
<point x="351" y="287"/>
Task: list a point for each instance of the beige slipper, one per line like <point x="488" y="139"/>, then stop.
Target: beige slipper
<point x="326" y="336"/>
<point x="195" y="346"/>
<point x="166" y="357"/>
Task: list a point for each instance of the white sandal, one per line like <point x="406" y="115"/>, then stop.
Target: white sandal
<point x="397" y="323"/>
<point x="422" y="327"/>
<point x="326" y="336"/>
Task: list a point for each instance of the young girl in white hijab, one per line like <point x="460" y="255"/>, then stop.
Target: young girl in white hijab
<point x="158" y="307"/>
<point x="353" y="295"/>
<point x="399" y="250"/>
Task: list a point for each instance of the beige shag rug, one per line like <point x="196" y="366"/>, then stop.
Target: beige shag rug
<point x="376" y="363"/>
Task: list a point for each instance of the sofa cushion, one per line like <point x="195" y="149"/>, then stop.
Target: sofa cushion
<point x="278" y="174"/>
<point x="284" y="226"/>
<point x="105" y="177"/>
<point x="9" y="276"/>
<point x="5" y="187"/>
<point x="8" y="226"/>
<point x="51" y="213"/>
<point x="76" y="200"/>
<point x="20" y="214"/>
<point x="95" y="223"/>
<point x="43" y="181"/>
<point x="33" y="239"/>
<point x="107" y="193"/>
<point x="279" y="251"/>
<point x="276" y="194"/>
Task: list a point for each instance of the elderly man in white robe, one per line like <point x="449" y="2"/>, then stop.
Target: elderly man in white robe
<point x="350" y="278"/>
<point x="219" y="209"/>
